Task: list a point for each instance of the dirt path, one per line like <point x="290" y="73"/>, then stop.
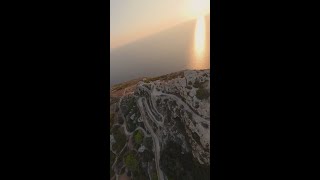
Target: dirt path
<point x="154" y="137"/>
<point x="147" y="125"/>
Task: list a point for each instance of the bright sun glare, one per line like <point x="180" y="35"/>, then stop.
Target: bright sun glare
<point x="197" y="61"/>
<point x="199" y="7"/>
<point x="200" y="36"/>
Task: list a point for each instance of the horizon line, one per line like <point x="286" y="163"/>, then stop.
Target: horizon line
<point x="151" y="34"/>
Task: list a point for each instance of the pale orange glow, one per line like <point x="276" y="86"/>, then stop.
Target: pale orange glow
<point x="144" y="32"/>
<point x="198" y="60"/>
<point x="198" y="8"/>
<point x="135" y="20"/>
<point x="199" y="38"/>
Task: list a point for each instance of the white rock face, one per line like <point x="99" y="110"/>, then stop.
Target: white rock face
<point x="182" y="91"/>
<point x="112" y="141"/>
<point x="141" y="148"/>
<point x="172" y="109"/>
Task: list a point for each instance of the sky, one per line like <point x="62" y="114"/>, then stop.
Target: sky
<point x="134" y="19"/>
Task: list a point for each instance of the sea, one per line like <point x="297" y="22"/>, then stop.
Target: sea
<point x="184" y="46"/>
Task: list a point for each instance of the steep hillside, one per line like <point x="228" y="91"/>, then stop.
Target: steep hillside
<point x="160" y="127"/>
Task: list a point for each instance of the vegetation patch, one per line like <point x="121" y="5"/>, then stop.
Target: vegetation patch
<point x="166" y="77"/>
<point x="154" y="176"/>
<point x="197" y="105"/>
<point x="121" y="86"/>
<point x="198" y="84"/>
<point x="147" y="155"/>
<point x="196" y="138"/>
<point x="112" y="115"/>
<point x="148" y="143"/>
<point x="179" y="125"/>
<point x="111" y="173"/>
<point x="121" y="156"/>
<point x="204" y="125"/>
<point x="189" y="114"/>
<point x="123" y="170"/>
<point x="138" y="136"/>
<point x="120" y="119"/>
<point x="140" y="174"/>
<point x="141" y="124"/>
<point x="120" y="138"/>
<point x="181" y="166"/>
<point x="174" y="164"/>
<point x="114" y="100"/>
<point x="147" y="86"/>
<point x="129" y="104"/>
<point x="181" y="97"/>
<point x="131" y="125"/>
<point x="112" y="158"/>
<point x="202" y="93"/>
<point x="114" y="128"/>
<point x="131" y="161"/>
<point x="158" y="102"/>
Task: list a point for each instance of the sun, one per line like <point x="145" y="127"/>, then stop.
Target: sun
<point x="198" y="8"/>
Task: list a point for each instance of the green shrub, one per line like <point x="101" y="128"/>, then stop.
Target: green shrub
<point x="112" y="158"/>
<point x="154" y="176"/>
<point x="120" y="140"/>
<point x="197" y="84"/>
<point x="127" y="105"/>
<point x="181" y="166"/>
<point x="121" y="155"/>
<point x="202" y="93"/>
<point x="111" y="173"/>
<point x="138" y="137"/>
<point x="131" y="125"/>
<point x="131" y="161"/>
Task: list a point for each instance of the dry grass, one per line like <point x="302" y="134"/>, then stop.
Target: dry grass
<point x="124" y="85"/>
<point x="166" y="77"/>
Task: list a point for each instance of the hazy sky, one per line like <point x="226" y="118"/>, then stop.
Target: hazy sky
<point x="133" y="19"/>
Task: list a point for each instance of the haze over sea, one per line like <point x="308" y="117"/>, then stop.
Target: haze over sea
<point x="184" y="46"/>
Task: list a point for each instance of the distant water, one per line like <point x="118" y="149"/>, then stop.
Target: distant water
<point x="185" y="46"/>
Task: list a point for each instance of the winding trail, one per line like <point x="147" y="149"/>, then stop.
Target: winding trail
<point x="149" y="112"/>
<point x="145" y="112"/>
<point x="117" y="155"/>
<point x="124" y="125"/>
<point x="148" y="109"/>
<point x="130" y="133"/>
<point x="198" y="118"/>
<point x="155" y="140"/>
<point x="153" y="103"/>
